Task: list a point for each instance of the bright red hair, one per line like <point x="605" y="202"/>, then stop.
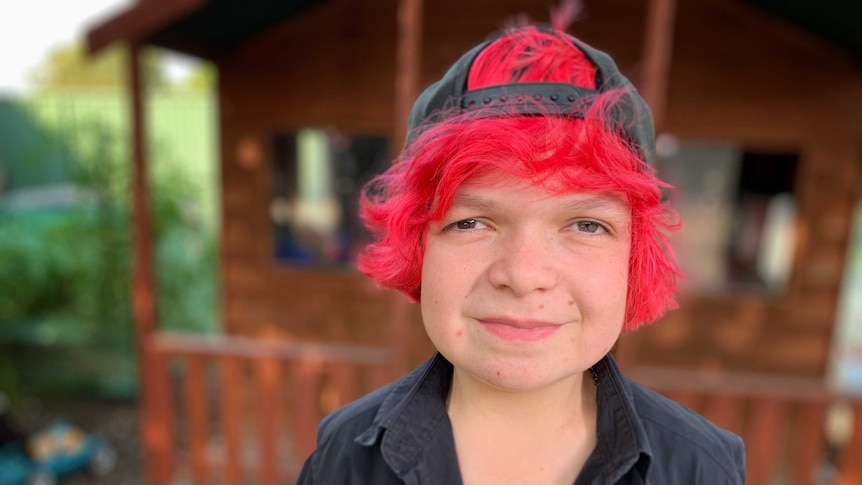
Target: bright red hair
<point x="563" y="154"/>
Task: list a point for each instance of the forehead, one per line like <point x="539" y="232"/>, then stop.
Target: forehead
<point x="492" y="192"/>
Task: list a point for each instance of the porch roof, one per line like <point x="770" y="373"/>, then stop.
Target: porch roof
<point x="202" y="28"/>
<point x="210" y="28"/>
<point x="834" y="20"/>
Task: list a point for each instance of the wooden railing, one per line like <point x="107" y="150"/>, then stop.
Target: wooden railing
<point x="233" y="410"/>
<point x="796" y="430"/>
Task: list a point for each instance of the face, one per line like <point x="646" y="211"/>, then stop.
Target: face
<point x="521" y="287"/>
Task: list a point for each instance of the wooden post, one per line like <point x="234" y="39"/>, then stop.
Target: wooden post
<point x="143" y="303"/>
<point x="407" y="67"/>
<point x="658" y="45"/>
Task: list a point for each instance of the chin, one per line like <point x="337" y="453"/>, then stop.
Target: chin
<point x="522" y="377"/>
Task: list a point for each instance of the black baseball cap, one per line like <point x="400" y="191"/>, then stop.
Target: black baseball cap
<point x="449" y="96"/>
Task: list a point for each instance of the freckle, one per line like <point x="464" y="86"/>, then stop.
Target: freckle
<point x="571" y="302"/>
<point x="541" y="306"/>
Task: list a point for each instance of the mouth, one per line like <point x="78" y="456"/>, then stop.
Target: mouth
<point x="518" y="330"/>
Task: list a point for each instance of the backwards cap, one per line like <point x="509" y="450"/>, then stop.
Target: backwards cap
<point x="449" y="97"/>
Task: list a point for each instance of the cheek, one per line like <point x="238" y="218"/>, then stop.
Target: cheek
<point x="607" y="270"/>
<point x="433" y="296"/>
<point x="447" y="274"/>
<point x="446" y="283"/>
<point x="604" y="291"/>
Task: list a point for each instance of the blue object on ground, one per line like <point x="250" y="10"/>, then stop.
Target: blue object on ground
<point x="55" y="453"/>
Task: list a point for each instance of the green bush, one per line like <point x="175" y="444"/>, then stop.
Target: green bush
<point x="65" y="311"/>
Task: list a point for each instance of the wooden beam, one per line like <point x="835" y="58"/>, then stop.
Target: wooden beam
<point x="139" y="22"/>
<point x="658" y="47"/>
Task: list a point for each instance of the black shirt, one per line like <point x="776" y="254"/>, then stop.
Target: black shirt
<point x="402" y="434"/>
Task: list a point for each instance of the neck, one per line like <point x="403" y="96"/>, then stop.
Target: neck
<point x="570" y="402"/>
<point x="537" y="436"/>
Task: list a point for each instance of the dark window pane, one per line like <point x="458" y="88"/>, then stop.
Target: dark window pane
<point x="738" y="208"/>
<point x="317" y="178"/>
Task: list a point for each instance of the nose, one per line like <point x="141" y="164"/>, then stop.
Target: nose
<point x="524" y="263"/>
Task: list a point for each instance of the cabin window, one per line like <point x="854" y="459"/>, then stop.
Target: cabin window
<point x="846" y="368"/>
<point x="317" y="178"/>
<point x="738" y="209"/>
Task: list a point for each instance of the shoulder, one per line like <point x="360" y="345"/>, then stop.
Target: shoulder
<point x="348" y="448"/>
<point x="686" y="441"/>
<point x="339" y="457"/>
<point x="351" y="420"/>
<point x="363" y="414"/>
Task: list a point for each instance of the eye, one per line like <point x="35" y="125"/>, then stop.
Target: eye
<point x="465" y="225"/>
<point x="590" y="227"/>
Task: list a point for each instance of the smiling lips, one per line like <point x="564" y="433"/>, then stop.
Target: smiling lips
<point x="519" y="330"/>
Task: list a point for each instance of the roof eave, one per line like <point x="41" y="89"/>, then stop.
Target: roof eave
<point x="138" y="23"/>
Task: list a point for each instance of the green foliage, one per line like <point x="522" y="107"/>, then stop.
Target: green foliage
<point x="201" y="79"/>
<point x="65" y="308"/>
<point x="70" y="65"/>
<point x="65" y="272"/>
<point x="31" y="261"/>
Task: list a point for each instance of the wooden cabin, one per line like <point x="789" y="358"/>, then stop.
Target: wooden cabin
<point x="760" y="122"/>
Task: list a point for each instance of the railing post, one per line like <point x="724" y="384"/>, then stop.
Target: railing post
<point x="307" y="385"/>
<point x="256" y="401"/>
<point x="808" y="450"/>
<point x="230" y="416"/>
<point x="196" y="412"/>
<point x="342" y="381"/>
<point x="158" y="420"/>
<point x="725" y="411"/>
<point x="763" y="441"/>
<point x="850" y="464"/>
<point x="268" y="376"/>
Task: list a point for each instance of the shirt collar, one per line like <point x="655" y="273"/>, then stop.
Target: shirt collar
<point x="622" y="441"/>
<point x="413" y="415"/>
